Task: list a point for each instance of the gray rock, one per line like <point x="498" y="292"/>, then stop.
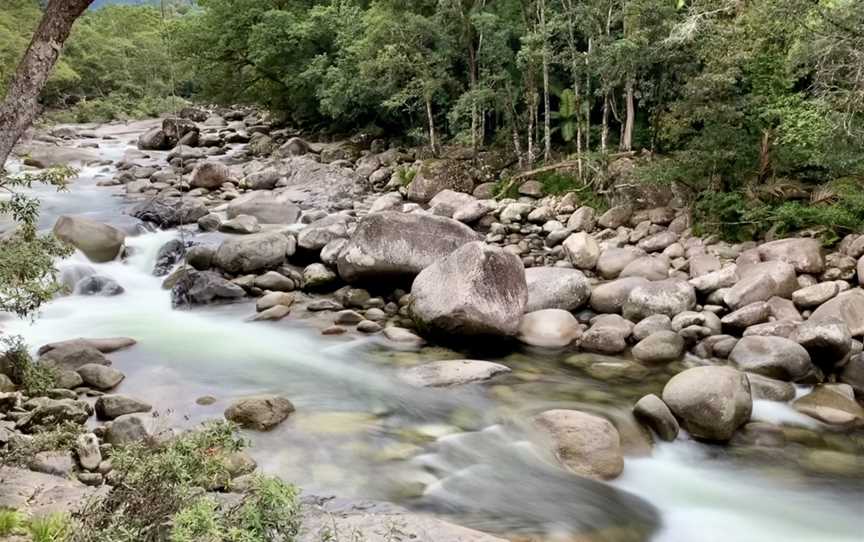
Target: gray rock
<point x="659" y="347"/>
<point x="649" y="267"/>
<point x="652" y="324"/>
<point x="805" y="255"/>
<point x="209" y="175"/>
<point x="87" y="451"/>
<point x="318" y="276"/>
<point x="109" y="407"/>
<point x="550" y="328"/>
<point x="715" y="280"/>
<point x="98" y="285"/>
<point x="853" y="374"/>
<point x="582" y="250"/>
<point x="613" y="261"/>
<point x="242" y="224"/>
<point x="583" y="219"/>
<point x="209" y="222"/>
<point x="440" y="374"/>
<point x="260" y="412"/>
<point x="827" y="341"/>
<point x="57" y="463"/>
<point x="316" y="235"/>
<point x="99" y="242"/>
<point x="433" y="176"/>
<point x="556" y="288"/>
<point x="275" y="282"/>
<point x="273" y="299"/>
<point x="392" y="245"/>
<point x="813" y="296"/>
<point x="770" y="389"/>
<point x="168" y="212"/>
<point x="658" y="242"/>
<point x="711" y="403"/>
<point x="476" y="290"/>
<point x="669" y="297"/>
<point x="251" y="253"/>
<point x="784" y="309"/>
<point x="833" y="404"/>
<point x="607" y="335"/>
<point x="447" y="202"/>
<point x="128" y="429"/>
<point x="202" y="287"/>
<point x="72" y="355"/>
<point x="265" y="207"/>
<point x="584" y="443"/>
<point x="610" y="297"/>
<point x="615" y="217"/>
<point x="153" y="139"/>
<point x="774" y="357"/>
<point x="200" y="257"/>
<point x="760" y="282"/>
<point x="651" y="411"/>
<point x="100" y="377"/>
<point x="748" y="315"/>
<point x="847" y="307"/>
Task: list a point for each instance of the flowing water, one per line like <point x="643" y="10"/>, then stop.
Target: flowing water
<point x="358" y="432"/>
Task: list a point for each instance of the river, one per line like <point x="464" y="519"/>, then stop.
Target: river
<point x="466" y="453"/>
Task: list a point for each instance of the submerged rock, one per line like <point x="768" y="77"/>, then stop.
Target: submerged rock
<point x="584" y="443"/>
<point x="440" y="374"/>
<point x="550" y="328"/>
<point x="260" y="412"/>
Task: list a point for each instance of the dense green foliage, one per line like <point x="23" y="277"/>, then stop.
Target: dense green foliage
<point x="165" y="486"/>
<point x="33" y="378"/>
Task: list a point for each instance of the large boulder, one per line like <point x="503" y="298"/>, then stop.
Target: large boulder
<point x="710" y="402"/>
<point x="761" y="282"/>
<point x="202" y="287"/>
<point x="651" y="411"/>
<point x="260" y="412"/>
<point x="109" y="407"/>
<point x="847" y="307"/>
<point x="210" y="175"/>
<point x="100" y="377"/>
<point x="176" y="129"/>
<point x="610" y="297"/>
<point x="154" y="139"/>
<point x="316" y="235"/>
<point x="805" y="255"/>
<point x="774" y="357"/>
<point x="168" y="212"/>
<point x="827" y="341"/>
<point x="556" y="288"/>
<point x="833" y="404"/>
<point x="73" y="355"/>
<point x="669" y="297"/>
<point x="441" y="374"/>
<point x="99" y="242"/>
<point x="252" y="253"/>
<point x="476" y="290"/>
<point x="584" y="443"/>
<point x="447" y="202"/>
<point x="267" y="208"/>
<point x="390" y="245"/>
<point x="434" y="176"/>
<point x="550" y="328"/>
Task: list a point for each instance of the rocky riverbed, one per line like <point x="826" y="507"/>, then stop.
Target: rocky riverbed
<point x="385" y="329"/>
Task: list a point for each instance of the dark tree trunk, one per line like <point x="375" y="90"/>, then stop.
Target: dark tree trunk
<point x="19" y="107"/>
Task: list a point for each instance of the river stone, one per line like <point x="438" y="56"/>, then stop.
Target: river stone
<point x="274" y="281"/>
<point x="609" y="297"/>
<point x="273" y="299"/>
<point x="760" y="282"/>
<point x="260" y="412"/>
<point x="128" y="429"/>
<point x="607" y="335"/>
<point x="98" y="285"/>
<point x="447" y="202"/>
<point x="583" y="219"/>
<point x="154" y="139"/>
<point x="473" y="211"/>
<point x="316" y="235"/>
<point x="168" y="212"/>
<point x="832" y="404"/>
<point x="202" y="287"/>
<point x="99" y="242"/>
<point x="652" y="324"/>
<point x="477" y="290"/>
<point x="100" y="377"/>
<point x="813" y="296"/>
<point x="434" y="176"/>
<point x="805" y="255"/>
<point x="109" y="407"/>
<point x="582" y="250"/>
<point x="659" y="347"/>
<point x="88" y="452"/>
<point x="209" y="175"/>
<point x="715" y="280"/>
<point x="241" y="224"/>
<point x="770" y="389"/>
<point x="391" y="245"/>
<point x="252" y="253"/>
<point x="651" y="411"/>
<point x="827" y="341"/>
<point x="658" y="241"/>
<point x="52" y="413"/>
<point x="615" y="217"/>
<point x="669" y="297"/>
<point x="556" y="288"/>
<point x="853" y="374"/>
<point x="748" y="315"/>
<point x="847" y="307"/>
<point x="272" y="314"/>
<point x="318" y="276"/>
<point x="654" y="267"/>
<point x="57" y="463"/>
<point x="584" y="443"/>
<point x="550" y="328"/>
<point x="265" y="207"/>
<point x="73" y="355"/>
<point x="614" y="260"/>
<point x="440" y="374"/>
<point x="774" y="357"/>
<point x="265" y="179"/>
<point x="710" y="402"/>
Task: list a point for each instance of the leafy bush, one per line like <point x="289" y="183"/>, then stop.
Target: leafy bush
<point x="33" y="377"/>
<point x="50" y="528"/>
<point x="161" y="491"/>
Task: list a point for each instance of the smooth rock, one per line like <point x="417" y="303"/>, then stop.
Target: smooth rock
<point x="556" y="288"/>
<point x="773" y="357"/>
<point x="711" y="403"/>
<point x="260" y="412"/>
<point x="584" y="443"/>
<point x="439" y="374"/>
<point x="550" y="328"/>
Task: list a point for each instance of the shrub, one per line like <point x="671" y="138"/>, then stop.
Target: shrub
<point x="34" y="378"/>
<point x="20" y="452"/>
<point x="50" y="528"/>
<point x="10" y="521"/>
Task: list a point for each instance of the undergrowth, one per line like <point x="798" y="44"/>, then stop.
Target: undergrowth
<point x="20" y="452"/>
<point x="32" y="377"/>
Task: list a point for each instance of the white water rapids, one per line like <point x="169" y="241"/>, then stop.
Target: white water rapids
<point x="354" y="432"/>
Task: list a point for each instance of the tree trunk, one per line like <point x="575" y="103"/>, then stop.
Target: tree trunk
<point x="630" y="119"/>
<point x="19" y="108"/>
<point x="604" y="128"/>
<point x="588" y="96"/>
<point x="547" y="128"/>
<point x="431" y="119"/>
